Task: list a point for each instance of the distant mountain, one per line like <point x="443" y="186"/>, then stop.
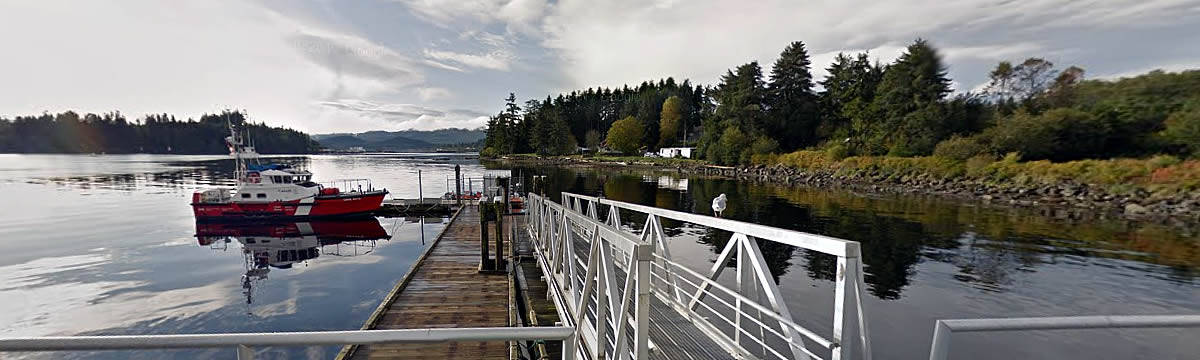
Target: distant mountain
<point x="402" y="140"/>
<point x="342" y="142"/>
<point x="397" y="143"/>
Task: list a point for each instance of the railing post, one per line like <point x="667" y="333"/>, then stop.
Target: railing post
<point x="641" y="330"/>
<point x="570" y="346"/>
<point x="940" y="349"/>
<point x="841" y="302"/>
<point x="245" y="352"/>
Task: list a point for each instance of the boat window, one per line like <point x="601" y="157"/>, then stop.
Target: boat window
<point x="276" y="179"/>
<point x="262" y="196"/>
<point x="245" y="195"/>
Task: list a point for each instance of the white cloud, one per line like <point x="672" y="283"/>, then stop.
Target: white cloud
<point x="615" y="42"/>
<point x="443" y="66"/>
<point x="1168" y="67"/>
<point x="432" y="93"/>
<point x="518" y="15"/>
<point x="496" y="60"/>
<point x="405" y="116"/>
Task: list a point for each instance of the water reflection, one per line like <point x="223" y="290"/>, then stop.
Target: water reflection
<point x="990" y="247"/>
<point x="283" y="245"/>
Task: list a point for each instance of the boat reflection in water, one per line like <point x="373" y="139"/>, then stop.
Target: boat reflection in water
<point x="282" y="245"/>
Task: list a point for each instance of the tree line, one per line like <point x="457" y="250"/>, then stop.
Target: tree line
<point x="864" y="107"/>
<point x="113" y="133"/>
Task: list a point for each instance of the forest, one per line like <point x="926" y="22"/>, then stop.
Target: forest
<point x="113" y="133"/>
<point x="1030" y="109"/>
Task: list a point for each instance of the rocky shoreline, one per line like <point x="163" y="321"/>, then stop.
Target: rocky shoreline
<point x="1066" y="199"/>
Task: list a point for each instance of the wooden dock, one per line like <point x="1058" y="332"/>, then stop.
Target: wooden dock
<point x="444" y="289"/>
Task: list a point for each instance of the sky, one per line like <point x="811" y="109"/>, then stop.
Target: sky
<point x="325" y="66"/>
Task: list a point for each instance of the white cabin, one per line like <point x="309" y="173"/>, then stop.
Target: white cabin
<point x="276" y="185"/>
<point x="672" y="152"/>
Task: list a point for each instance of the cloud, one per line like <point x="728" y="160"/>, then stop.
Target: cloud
<point x="432" y="93"/>
<point x="443" y="66"/>
<point x="407" y="116"/>
<point x="346" y="55"/>
<point x="626" y="41"/>
<point x="518" y="15"/>
<point x="496" y="60"/>
<point x="1181" y="65"/>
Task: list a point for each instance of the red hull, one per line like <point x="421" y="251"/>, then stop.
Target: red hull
<point x="322" y="206"/>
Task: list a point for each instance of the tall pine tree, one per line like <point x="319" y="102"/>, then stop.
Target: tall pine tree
<point x="793" y="105"/>
<point x="908" y="103"/>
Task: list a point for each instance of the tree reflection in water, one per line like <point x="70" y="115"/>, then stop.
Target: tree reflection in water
<point x="989" y="247"/>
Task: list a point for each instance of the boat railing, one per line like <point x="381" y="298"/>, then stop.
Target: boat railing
<point x="348" y="185"/>
<point x="216" y="195"/>
<point x="246" y="342"/>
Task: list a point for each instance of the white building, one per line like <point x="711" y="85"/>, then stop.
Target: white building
<point x="670" y="152"/>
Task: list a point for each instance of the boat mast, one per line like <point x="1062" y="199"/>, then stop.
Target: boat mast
<point x="235" y="149"/>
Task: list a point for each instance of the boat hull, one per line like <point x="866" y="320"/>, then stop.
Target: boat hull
<point x="345" y="204"/>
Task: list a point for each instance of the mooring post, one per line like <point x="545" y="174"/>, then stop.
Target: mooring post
<point x="420" y="190"/>
<point x="457" y="185"/>
<point x="499" y="239"/>
<point x="506" y="204"/>
<point x="484" y="209"/>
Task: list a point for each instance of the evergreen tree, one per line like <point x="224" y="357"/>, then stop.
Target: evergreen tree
<point x="739" y="104"/>
<point x="849" y="89"/>
<point x="793" y="104"/>
<point x="908" y="103"/>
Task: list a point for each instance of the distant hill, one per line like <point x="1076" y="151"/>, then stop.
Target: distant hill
<point x="401" y="143"/>
<point x="402" y="140"/>
<point x="342" y="142"/>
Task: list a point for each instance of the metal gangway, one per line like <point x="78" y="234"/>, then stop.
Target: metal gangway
<point x="625" y="295"/>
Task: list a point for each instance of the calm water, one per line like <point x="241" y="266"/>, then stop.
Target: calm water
<point x="929" y="259"/>
<point x="108" y="245"/>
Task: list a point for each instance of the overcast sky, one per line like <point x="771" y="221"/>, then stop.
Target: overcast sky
<point x="325" y="66"/>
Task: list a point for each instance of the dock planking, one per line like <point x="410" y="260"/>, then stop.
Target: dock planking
<point x="445" y="290"/>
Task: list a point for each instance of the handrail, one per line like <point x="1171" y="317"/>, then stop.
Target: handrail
<point x="308" y="338"/>
<point x="940" y="348"/>
<point x="769" y="312"/>
<point x="825" y="244"/>
<point x="556" y="227"/>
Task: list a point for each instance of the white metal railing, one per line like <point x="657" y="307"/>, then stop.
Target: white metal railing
<point x="245" y="342"/>
<point x="585" y="288"/>
<point x="348" y="185"/>
<point x="940" y="348"/>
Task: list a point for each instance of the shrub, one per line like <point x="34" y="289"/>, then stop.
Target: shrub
<point x="959" y="148"/>
<point x="1059" y="135"/>
<point x="1183" y="130"/>
<point x="977" y="165"/>
<point x="837" y="152"/>
<point x="731" y="147"/>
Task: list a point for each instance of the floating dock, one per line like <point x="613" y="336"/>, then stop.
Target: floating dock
<point x="445" y="289"/>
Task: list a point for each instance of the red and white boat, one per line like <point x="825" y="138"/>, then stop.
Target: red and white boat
<point x="281" y="191"/>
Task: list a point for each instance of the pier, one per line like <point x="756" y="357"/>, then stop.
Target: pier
<point x="444" y="289"/>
